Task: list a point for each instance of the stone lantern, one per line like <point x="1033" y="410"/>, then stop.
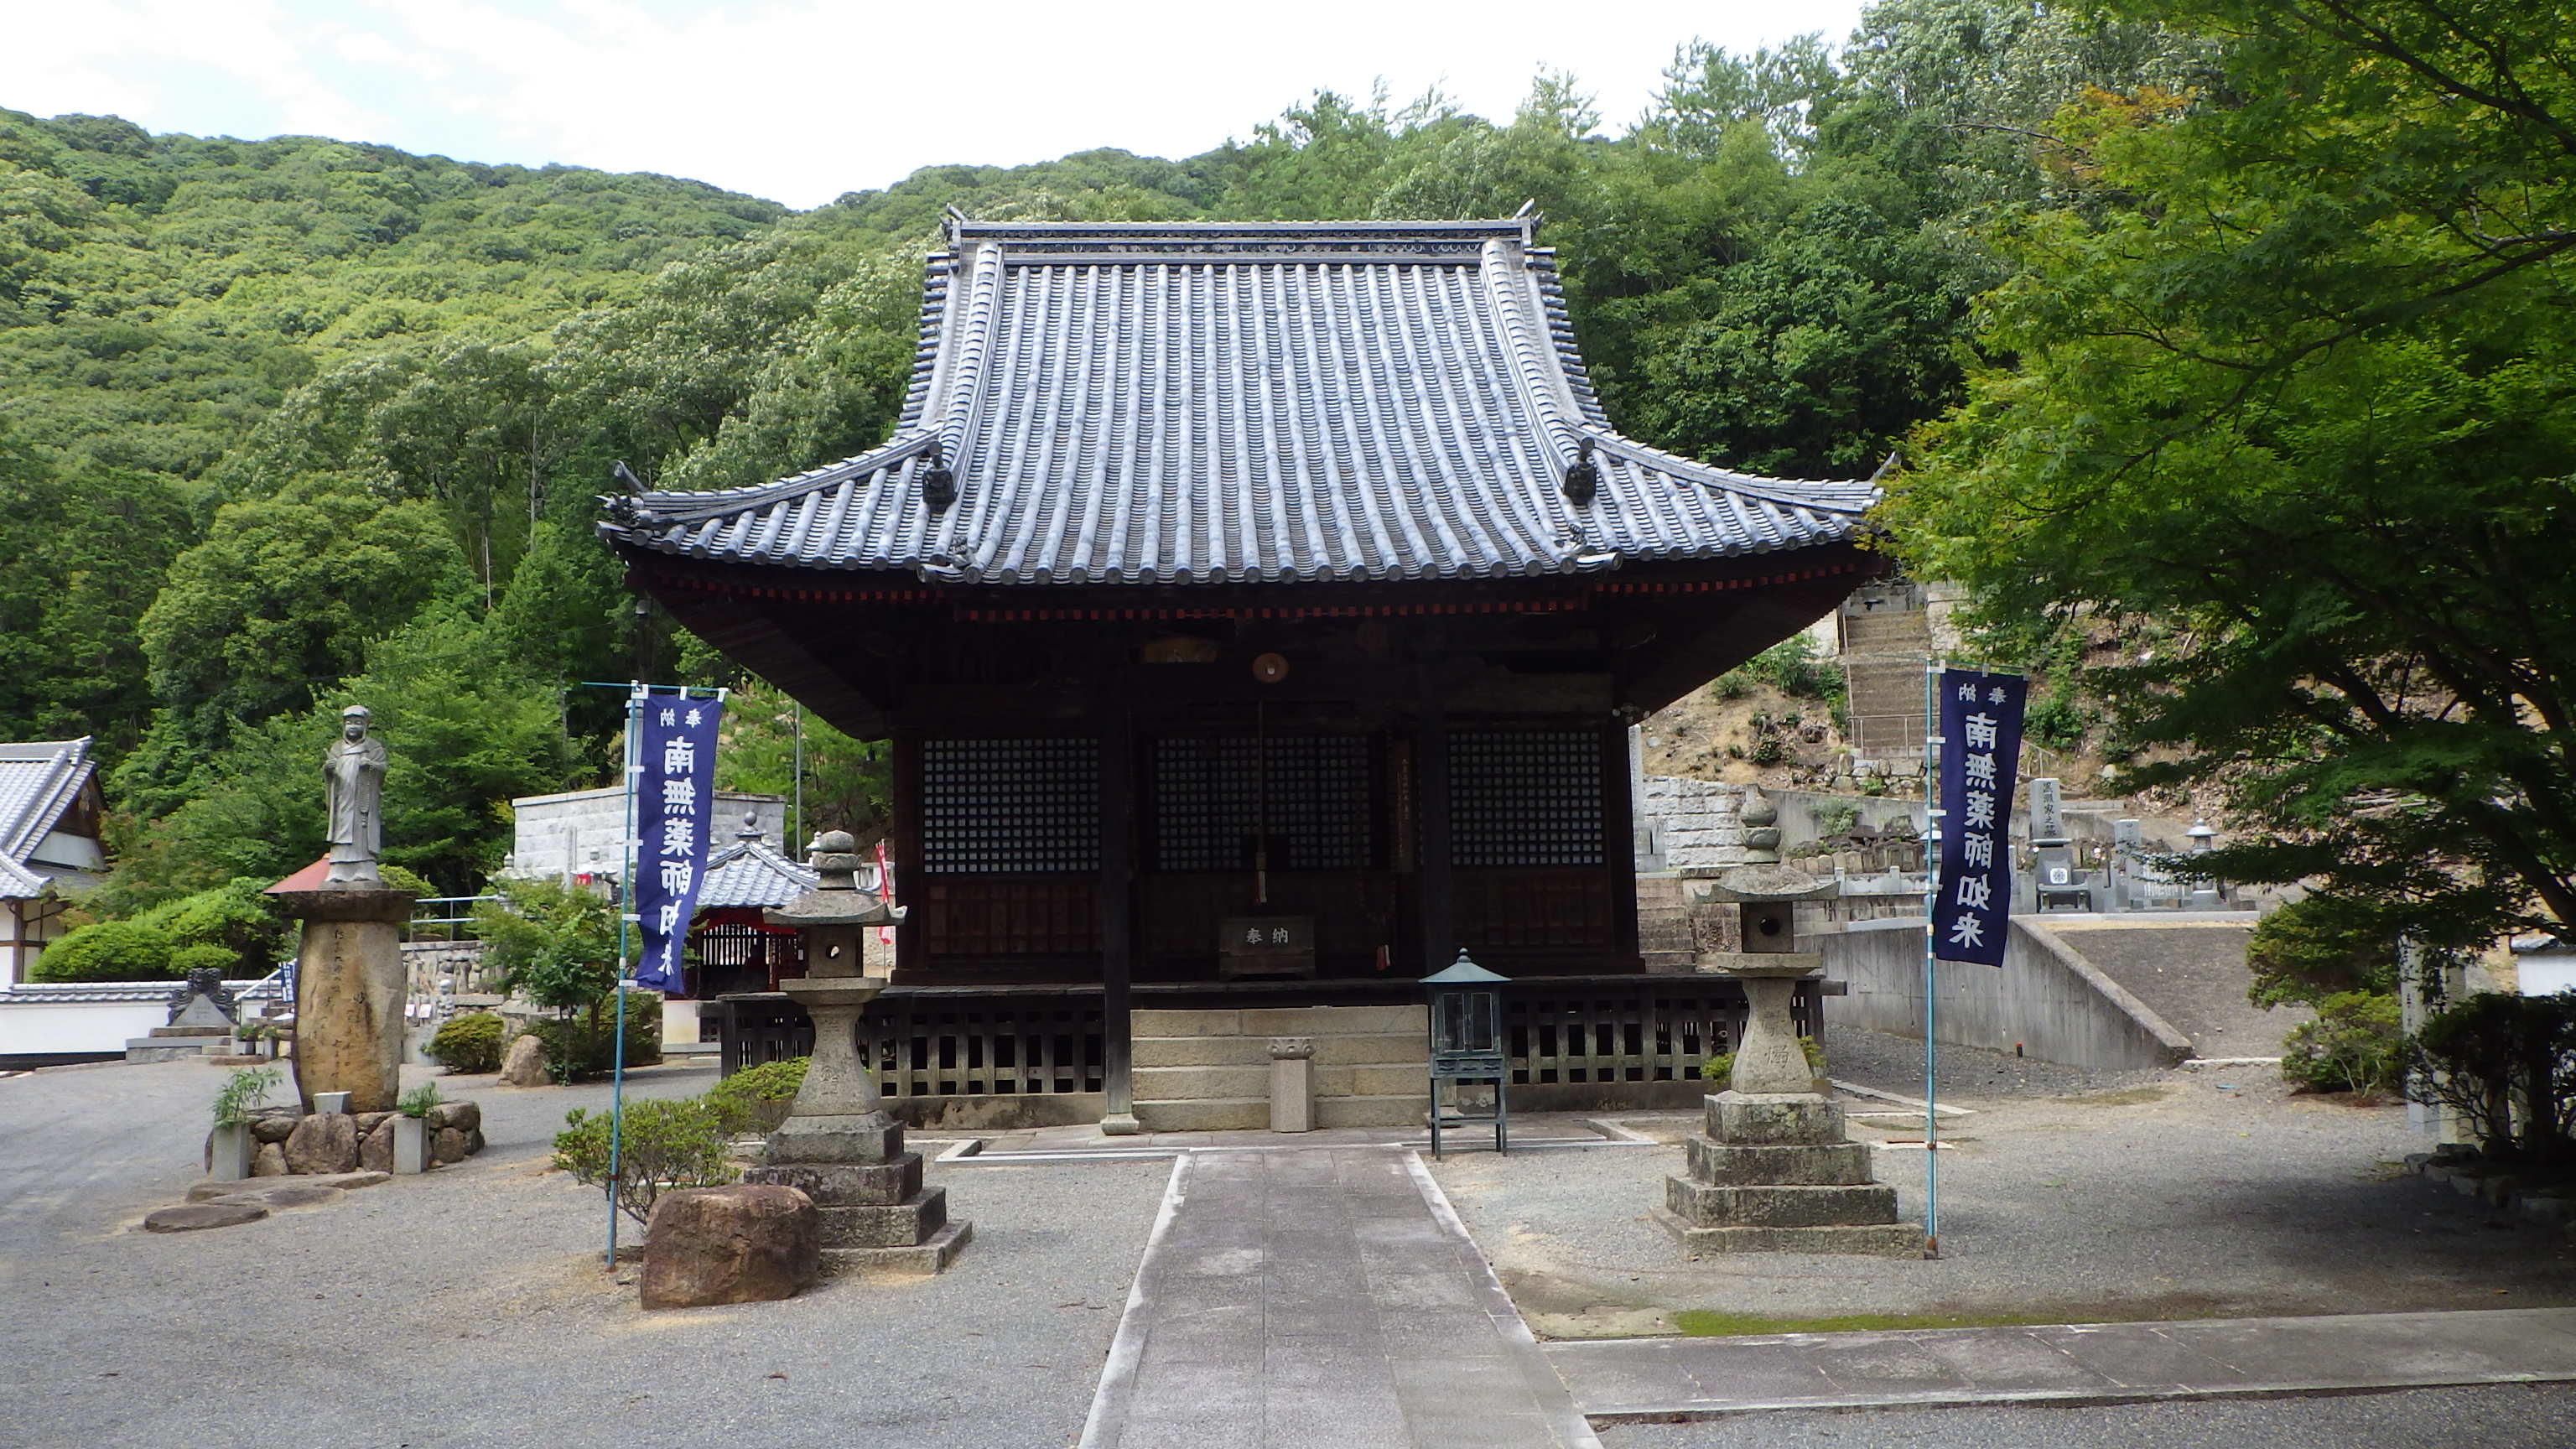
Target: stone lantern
<point x="1773" y="1172"/>
<point x="838" y="1145"/>
<point x="1467" y="1040"/>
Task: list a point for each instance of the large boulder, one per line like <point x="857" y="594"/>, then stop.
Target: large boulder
<point x="524" y="1065"/>
<point x="323" y="1142"/>
<point x="730" y="1245"/>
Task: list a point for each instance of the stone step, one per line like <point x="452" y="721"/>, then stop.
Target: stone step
<point x="1357" y="1049"/>
<point x="1252" y="1114"/>
<point x="1840" y="1164"/>
<point x="1202" y="1084"/>
<point x="1878" y="1240"/>
<point x="1708" y="1205"/>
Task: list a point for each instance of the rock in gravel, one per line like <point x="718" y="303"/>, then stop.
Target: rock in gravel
<point x="447" y="1145"/>
<point x="463" y="1116"/>
<point x="189" y="1217"/>
<point x="730" y="1245"/>
<point x="343" y="1181"/>
<point x="324" y="1142"/>
<point x="525" y="1066"/>
<point x="376" y="1149"/>
<point x="269" y="1161"/>
<point x="293" y="1192"/>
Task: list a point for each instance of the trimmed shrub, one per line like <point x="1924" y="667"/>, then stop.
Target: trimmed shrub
<point x="2356" y="1044"/>
<point x="108" y="951"/>
<point x="662" y="1144"/>
<point x="756" y="1099"/>
<point x="469" y="1043"/>
<point x="204" y="956"/>
<point x="236" y="916"/>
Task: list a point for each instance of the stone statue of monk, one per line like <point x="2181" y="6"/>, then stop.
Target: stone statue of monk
<point x="353" y="774"/>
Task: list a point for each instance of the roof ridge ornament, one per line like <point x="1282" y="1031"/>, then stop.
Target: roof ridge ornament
<point x="1582" y="476"/>
<point x="938" y="481"/>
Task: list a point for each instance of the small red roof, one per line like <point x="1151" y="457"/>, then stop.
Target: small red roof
<point x="310" y="878"/>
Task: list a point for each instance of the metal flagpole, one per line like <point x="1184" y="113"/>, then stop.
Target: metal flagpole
<point x="625" y="916"/>
<point x="1931" y="962"/>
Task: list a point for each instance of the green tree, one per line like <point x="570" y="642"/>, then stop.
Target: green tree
<point x="86" y="552"/>
<point x="2291" y="416"/>
<point x="281" y="598"/>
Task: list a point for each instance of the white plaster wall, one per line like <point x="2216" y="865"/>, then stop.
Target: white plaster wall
<point x="32" y="1028"/>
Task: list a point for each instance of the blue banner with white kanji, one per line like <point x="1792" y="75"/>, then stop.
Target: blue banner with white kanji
<point x="1980" y="746"/>
<point x="674" y="816"/>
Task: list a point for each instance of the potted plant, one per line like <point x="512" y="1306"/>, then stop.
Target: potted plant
<point x="411" y="1128"/>
<point x="231" y="1142"/>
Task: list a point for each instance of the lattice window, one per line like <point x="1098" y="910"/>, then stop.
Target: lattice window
<point x="1213" y="796"/>
<point x="1525" y="798"/>
<point x="1010" y="807"/>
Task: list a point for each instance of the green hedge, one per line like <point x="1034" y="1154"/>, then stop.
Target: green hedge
<point x="108" y="951"/>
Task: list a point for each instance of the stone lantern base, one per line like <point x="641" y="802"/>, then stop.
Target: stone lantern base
<point x="839" y="1147"/>
<point x="1774" y="1173"/>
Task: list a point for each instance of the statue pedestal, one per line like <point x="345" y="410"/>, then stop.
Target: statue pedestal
<point x="349" y="993"/>
<point x="1773" y="1172"/>
<point x="841" y="1148"/>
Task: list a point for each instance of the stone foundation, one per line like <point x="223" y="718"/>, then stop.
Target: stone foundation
<point x="292" y="1142"/>
<point x="1774" y="1173"/>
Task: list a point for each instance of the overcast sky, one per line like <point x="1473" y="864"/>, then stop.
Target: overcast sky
<point x="801" y="100"/>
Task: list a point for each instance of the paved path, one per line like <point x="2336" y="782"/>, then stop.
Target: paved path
<point x="2091" y="1363"/>
<point x="1301" y="1298"/>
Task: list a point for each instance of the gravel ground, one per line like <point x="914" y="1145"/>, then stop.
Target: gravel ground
<point x="469" y="1307"/>
<point x="2506" y="1417"/>
<point x="2192" y="1194"/>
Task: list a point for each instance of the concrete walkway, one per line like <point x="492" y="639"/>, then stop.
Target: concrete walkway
<point x="2089" y="1363"/>
<point x="1300" y="1298"/>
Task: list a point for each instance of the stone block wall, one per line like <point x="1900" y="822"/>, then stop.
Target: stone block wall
<point x="294" y="1143"/>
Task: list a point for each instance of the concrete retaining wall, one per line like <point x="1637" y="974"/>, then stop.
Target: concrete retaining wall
<point x="2045" y="998"/>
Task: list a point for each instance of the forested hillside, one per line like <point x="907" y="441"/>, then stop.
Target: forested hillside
<point x="297" y="422"/>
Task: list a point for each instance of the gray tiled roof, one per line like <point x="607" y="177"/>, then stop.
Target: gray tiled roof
<point x="748" y="873"/>
<point x="38" y="782"/>
<point x="1178" y="403"/>
<point x="94" y="993"/>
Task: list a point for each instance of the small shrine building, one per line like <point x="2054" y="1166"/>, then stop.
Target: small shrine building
<point x="1256" y="611"/>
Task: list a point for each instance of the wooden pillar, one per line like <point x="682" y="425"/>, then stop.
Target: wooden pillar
<point x="1618" y="846"/>
<point x="1118" y="837"/>
<point x="911" y="890"/>
<point x="1439" y="925"/>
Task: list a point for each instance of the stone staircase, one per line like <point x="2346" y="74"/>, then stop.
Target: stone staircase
<point x="1663" y="927"/>
<point x="1883" y="654"/>
<point x="1209" y="1071"/>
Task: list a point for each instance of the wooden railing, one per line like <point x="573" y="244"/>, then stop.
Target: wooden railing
<point x="964" y="1041"/>
<point x="938" y="1041"/>
<point x="1629" y="1029"/>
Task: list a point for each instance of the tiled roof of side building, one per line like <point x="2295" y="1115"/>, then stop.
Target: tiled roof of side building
<point x="39" y="780"/>
<point x="1203" y="403"/>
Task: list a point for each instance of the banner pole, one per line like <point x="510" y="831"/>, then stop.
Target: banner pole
<point x="1931" y="964"/>
<point x="625" y="911"/>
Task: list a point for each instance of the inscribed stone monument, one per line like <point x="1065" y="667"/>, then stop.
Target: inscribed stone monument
<point x="348" y="959"/>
